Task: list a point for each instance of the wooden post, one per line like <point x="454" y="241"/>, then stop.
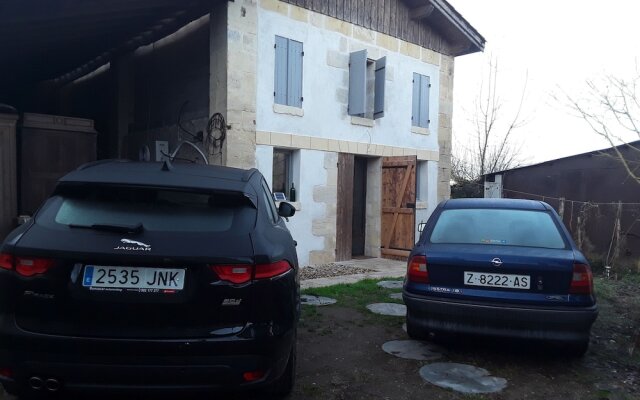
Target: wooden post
<point x="8" y="174"/>
<point x="561" y="208"/>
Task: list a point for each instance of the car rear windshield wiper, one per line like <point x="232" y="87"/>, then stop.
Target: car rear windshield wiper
<point x="134" y="228"/>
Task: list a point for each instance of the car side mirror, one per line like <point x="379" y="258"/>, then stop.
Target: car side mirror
<point x="286" y="210"/>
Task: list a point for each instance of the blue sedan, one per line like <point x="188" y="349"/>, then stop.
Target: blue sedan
<point x="503" y="268"/>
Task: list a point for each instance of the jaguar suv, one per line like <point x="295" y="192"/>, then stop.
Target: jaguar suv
<point x="138" y="277"/>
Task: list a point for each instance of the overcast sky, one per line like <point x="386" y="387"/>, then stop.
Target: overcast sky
<point x="558" y="44"/>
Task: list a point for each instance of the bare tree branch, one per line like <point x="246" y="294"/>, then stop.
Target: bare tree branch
<point x="493" y="148"/>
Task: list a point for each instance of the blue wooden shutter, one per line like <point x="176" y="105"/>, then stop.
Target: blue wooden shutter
<point x="378" y="98"/>
<point x="294" y="83"/>
<point x="357" y="82"/>
<point x="280" y="91"/>
<point x="415" y="113"/>
<point x="424" y="101"/>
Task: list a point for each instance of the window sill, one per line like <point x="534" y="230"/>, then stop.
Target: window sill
<point x="419" y="130"/>
<point x="295" y="204"/>
<point x="421" y="205"/>
<point x="282" y="109"/>
<point x="362" y="121"/>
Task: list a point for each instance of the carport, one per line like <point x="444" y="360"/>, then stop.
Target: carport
<point x="93" y="79"/>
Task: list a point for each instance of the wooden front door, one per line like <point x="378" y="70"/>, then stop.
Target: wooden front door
<point x="398" y="206"/>
<point x="344" y="207"/>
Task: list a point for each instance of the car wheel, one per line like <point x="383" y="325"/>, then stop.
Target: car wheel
<point x="283" y="386"/>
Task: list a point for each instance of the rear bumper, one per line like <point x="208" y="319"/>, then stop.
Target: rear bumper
<point x="563" y="324"/>
<point x="90" y="365"/>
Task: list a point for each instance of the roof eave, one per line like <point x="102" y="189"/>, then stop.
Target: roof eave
<point x="476" y="41"/>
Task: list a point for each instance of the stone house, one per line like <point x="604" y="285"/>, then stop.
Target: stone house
<point x="349" y="102"/>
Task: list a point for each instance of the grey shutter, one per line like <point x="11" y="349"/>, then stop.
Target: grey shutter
<point x="378" y="99"/>
<point x="357" y="82"/>
<point x="294" y="83"/>
<point x="424" y="101"/>
<point x="280" y="91"/>
<point x="415" y="113"/>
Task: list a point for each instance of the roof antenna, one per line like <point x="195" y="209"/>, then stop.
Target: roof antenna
<point x="167" y="166"/>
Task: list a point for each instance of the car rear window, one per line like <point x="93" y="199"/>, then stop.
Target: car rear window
<point x="156" y="209"/>
<point x="498" y="227"/>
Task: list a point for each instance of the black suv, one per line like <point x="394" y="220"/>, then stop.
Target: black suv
<point x="147" y="276"/>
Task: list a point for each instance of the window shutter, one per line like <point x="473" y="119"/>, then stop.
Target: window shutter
<point x="415" y="113"/>
<point x="357" y="82"/>
<point x="424" y="101"/>
<point x="280" y="90"/>
<point x="294" y="84"/>
<point x="378" y="99"/>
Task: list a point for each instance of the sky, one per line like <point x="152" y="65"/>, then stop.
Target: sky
<point x="554" y="46"/>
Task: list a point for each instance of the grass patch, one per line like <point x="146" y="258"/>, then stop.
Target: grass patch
<point x="357" y="296"/>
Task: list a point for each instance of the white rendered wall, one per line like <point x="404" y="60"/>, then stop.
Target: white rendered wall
<point x="325" y="76"/>
<point x="312" y="174"/>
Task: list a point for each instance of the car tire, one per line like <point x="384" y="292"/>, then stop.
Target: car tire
<point x="283" y="386"/>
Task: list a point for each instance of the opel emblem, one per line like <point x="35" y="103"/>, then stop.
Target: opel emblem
<point x="496" y="262"/>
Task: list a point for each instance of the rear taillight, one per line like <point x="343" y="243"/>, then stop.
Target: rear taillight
<point x="6" y="372"/>
<point x="233" y="273"/>
<point x="266" y="271"/>
<point x="29" y="266"/>
<point x="582" y="280"/>
<point x="239" y="274"/>
<point x="25" y="266"/>
<point x="6" y="261"/>
<point x="417" y="270"/>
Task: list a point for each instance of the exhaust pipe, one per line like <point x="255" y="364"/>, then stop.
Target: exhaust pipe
<point x="52" y="385"/>
<point x="36" y="383"/>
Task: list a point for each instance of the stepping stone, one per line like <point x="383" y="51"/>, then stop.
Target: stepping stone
<point x="390" y="284"/>
<point x="462" y="378"/>
<point x="412" y="350"/>
<point x="316" y="300"/>
<point x="396" y="296"/>
<point x="393" y="309"/>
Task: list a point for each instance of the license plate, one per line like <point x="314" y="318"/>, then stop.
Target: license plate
<point x="497" y="280"/>
<point x="140" y="279"/>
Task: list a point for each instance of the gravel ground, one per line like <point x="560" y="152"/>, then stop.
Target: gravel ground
<point x="330" y="270"/>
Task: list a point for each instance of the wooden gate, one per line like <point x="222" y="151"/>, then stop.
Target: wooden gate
<point x="398" y="206"/>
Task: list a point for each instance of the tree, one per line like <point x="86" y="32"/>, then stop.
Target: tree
<point x="611" y="108"/>
<point x="492" y="147"/>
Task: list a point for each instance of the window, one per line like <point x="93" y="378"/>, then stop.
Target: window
<point x="288" y="72"/>
<point x="158" y="210"/>
<point x="422" y="182"/>
<point x="282" y="174"/>
<point x="366" y="85"/>
<point x="421" y="89"/>
<point x="498" y="227"/>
